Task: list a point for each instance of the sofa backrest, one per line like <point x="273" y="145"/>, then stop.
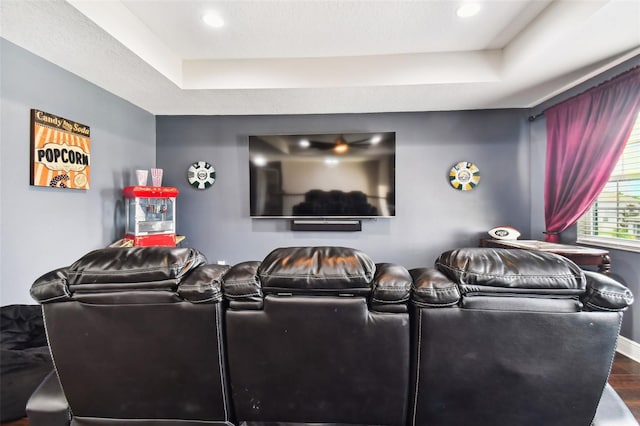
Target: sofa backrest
<point x="136" y="333"/>
<point x="511" y="337"/>
<point x="323" y="335"/>
<point x="315" y="335"/>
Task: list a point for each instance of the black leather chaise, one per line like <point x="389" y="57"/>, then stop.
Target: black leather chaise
<point x="318" y="335"/>
<point x="136" y="339"/>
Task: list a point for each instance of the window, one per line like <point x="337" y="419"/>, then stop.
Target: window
<point x="614" y="219"/>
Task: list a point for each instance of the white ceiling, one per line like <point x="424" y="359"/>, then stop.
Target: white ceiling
<point x="327" y="56"/>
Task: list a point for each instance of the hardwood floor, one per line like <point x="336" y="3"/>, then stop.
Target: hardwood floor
<point x="21" y="422"/>
<point x="625" y="379"/>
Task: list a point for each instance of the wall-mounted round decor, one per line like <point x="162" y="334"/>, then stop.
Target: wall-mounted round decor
<point x="201" y="175"/>
<point x="464" y="176"/>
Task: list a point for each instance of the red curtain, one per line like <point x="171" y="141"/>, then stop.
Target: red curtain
<point x="585" y="138"/>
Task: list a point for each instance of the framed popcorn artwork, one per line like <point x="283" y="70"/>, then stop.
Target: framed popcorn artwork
<point x="60" y="152"/>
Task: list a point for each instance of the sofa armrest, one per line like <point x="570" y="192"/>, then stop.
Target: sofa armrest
<point x="605" y="294"/>
<point x="241" y="286"/>
<point x="612" y="411"/>
<point x="51" y="287"/>
<point x="391" y="288"/>
<point x="431" y="288"/>
<point x="203" y="284"/>
<point x="48" y="406"/>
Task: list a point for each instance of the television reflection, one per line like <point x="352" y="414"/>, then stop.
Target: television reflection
<point x="329" y="175"/>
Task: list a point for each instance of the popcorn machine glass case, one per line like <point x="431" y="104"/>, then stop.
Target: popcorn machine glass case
<point x="151" y="215"/>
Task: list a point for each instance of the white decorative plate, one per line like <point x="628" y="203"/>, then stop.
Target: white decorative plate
<point x="201" y="175"/>
<point x="464" y="176"/>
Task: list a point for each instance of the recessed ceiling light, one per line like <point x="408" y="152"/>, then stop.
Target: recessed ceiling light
<point x="468" y="10"/>
<point x="304" y="143"/>
<point x="213" y="19"/>
<point x="376" y="140"/>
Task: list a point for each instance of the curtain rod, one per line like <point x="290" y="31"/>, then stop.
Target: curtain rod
<point x="621" y="75"/>
<point x="536" y="116"/>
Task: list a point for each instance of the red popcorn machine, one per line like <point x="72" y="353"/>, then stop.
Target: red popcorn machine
<point x="151" y="215"/>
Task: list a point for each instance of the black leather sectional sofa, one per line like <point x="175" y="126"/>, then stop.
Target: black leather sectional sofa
<point x="324" y="336"/>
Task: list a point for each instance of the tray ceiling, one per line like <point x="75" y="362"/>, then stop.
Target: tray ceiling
<point x="327" y="56"/>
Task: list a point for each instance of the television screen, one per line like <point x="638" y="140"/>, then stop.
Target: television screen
<point x="348" y="175"/>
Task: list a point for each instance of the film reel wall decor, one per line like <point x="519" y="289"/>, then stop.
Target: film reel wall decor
<point x="464" y="176"/>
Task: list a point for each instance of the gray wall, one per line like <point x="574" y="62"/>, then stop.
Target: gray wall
<point x="431" y="215"/>
<point x="45" y="228"/>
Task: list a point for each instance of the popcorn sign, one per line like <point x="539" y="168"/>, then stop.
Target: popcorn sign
<point x="60" y="152"/>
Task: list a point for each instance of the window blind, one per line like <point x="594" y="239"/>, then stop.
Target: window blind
<point x="614" y="219"/>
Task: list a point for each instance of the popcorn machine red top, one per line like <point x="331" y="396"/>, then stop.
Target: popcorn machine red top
<point x="151" y="215"/>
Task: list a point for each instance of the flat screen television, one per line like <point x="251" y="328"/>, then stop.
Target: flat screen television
<point x="329" y="175"/>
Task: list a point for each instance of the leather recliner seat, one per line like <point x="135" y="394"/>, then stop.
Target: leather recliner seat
<point x="318" y="335"/>
<point x="136" y="338"/>
<point x="511" y="337"/>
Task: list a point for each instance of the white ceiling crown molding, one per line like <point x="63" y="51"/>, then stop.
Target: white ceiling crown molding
<point x="366" y="71"/>
<point x="326" y="56"/>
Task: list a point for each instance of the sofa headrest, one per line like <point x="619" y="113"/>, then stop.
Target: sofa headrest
<point x="316" y="270"/>
<point x="149" y="267"/>
<point x="488" y="270"/>
<point x="135" y="269"/>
